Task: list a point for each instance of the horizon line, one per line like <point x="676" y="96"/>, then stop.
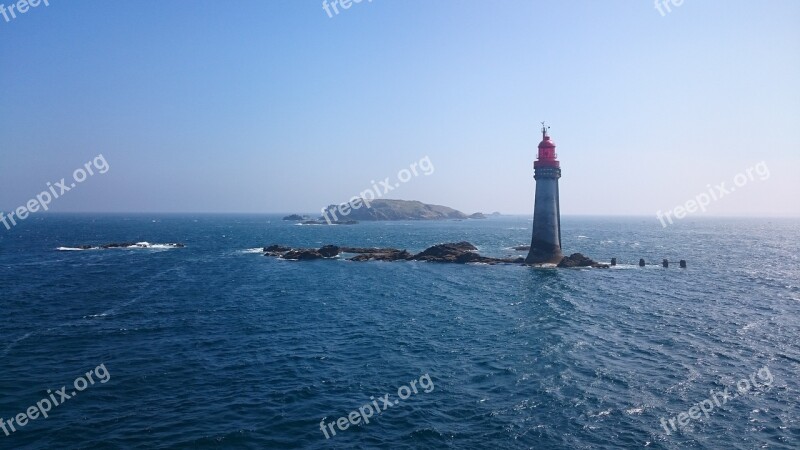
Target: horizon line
<point x="637" y="215"/>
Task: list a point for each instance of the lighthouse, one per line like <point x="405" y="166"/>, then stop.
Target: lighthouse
<point x="546" y="238"/>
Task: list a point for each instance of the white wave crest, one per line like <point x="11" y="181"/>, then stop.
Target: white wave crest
<point x="137" y="245"/>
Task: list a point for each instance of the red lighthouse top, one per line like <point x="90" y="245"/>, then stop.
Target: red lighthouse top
<point x="547" y="151"/>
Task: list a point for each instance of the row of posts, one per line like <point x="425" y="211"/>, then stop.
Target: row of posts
<point x="664" y="263"/>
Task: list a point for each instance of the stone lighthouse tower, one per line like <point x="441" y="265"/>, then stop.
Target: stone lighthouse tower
<point x="546" y="239"/>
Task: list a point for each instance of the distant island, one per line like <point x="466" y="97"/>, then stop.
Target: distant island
<point x="386" y="209"/>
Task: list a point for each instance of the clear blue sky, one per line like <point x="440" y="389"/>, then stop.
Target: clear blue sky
<point x="272" y="106"/>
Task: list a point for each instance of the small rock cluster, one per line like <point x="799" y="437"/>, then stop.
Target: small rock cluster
<point x="458" y="253"/>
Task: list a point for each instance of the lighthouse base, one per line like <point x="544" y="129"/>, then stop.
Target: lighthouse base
<point x="544" y="253"/>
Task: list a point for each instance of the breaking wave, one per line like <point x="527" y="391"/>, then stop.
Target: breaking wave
<point x="124" y="246"/>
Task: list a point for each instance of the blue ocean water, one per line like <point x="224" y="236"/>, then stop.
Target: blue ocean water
<point x="215" y="346"/>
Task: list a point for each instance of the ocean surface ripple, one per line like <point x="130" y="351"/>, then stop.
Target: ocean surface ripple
<point x="215" y="346"/>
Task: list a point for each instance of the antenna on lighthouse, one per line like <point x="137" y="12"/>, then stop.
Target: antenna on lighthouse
<point x="544" y="130"/>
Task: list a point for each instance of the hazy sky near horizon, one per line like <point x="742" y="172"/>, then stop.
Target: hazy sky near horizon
<point x="273" y="106"/>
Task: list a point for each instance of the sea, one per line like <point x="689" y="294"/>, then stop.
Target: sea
<point x="215" y="346"/>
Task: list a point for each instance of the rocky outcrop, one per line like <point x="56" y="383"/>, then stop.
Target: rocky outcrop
<point x="578" y="260"/>
<point x="384" y="255"/>
<point x="457" y="252"/>
<point x="454" y="252"/>
<point x="303" y="254"/>
<point x="477" y="215"/>
<point x="296" y="217"/>
<point x="276" y="250"/>
<point x="445" y="252"/>
<point x="329" y="251"/>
